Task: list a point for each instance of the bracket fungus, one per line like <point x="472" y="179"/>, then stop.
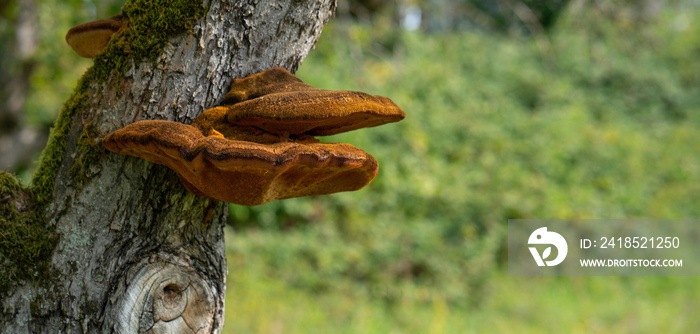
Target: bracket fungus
<point x="91" y="38"/>
<point x="278" y="102"/>
<point x="259" y="146"/>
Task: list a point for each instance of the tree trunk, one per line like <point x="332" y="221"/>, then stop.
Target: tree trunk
<point x="135" y="252"/>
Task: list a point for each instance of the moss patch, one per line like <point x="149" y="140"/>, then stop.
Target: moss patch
<point x="26" y="244"/>
<point x="149" y="26"/>
<point x="52" y="156"/>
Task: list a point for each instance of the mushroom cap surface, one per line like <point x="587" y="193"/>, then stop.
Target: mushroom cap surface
<point x="91" y="38"/>
<point x="278" y="102"/>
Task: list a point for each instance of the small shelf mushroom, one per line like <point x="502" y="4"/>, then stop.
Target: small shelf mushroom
<point x="259" y="145"/>
<point x="278" y="102"/>
<point x="91" y="38"/>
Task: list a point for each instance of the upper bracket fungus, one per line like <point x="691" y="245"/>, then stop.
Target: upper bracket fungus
<point x="278" y="102"/>
<point x="91" y="38"/>
<point x="259" y="145"/>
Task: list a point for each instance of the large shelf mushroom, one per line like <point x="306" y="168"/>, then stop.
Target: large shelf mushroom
<point x="259" y="145"/>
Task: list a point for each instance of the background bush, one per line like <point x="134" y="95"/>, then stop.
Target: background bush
<point x="596" y="119"/>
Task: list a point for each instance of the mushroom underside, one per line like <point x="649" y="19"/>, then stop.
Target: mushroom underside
<point x="91" y="38"/>
<point x="242" y="172"/>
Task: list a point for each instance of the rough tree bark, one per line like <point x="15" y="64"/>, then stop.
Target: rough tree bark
<point x="136" y="252"/>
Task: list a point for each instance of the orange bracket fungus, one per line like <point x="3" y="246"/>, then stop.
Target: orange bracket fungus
<point x="259" y="146"/>
<point x="91" y="38"/>
<point x="278" y="102"/>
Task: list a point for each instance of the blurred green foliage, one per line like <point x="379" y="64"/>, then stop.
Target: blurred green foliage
<point x="256" y="303"/>
<point x="596" y="119"/>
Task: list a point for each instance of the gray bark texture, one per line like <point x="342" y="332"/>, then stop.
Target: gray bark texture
<point x="137" y="253"/>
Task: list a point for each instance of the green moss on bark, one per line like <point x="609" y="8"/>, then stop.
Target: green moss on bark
<point x="51" y="158"/>
<point x="26" y="244"/>
<point x="150" y="24"/>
